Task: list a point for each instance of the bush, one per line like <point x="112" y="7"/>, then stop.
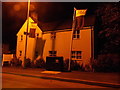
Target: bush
<point x="15" y="62"/>
<point x="74" y="65"/>
<point x="88" y="68"/>
<point x="27" y="63"/>
<point x="40" y="63"/>
<point x="106" y="63"/>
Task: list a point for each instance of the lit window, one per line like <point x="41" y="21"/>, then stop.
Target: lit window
<point x="52" y="53"/>
<point x="76" y="34"/>
<point x="76" y="55"/>
<point x="53" y="35"/>
<point x="20" y="53"/>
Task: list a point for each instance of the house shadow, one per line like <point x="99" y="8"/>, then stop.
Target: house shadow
<point x="40" y="43"/>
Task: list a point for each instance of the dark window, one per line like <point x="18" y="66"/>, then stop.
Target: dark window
<point x="53" y="35"/>
<point x="52" y="53"/>
<point x="76" y="34"/>
<point x="37" y="34"/>
<point x="76" y="55"/>
<point x="20" y="53"/>
<point x="21" y="37"/>
<point x="36" y="54"/>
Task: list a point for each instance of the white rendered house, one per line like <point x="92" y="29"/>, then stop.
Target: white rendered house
<point x="82" y="47"/>
<point x="44" y="42"/>
<point x="33" y="41"/>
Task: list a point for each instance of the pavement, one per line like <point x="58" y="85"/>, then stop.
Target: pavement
<point x="111" y="80"/>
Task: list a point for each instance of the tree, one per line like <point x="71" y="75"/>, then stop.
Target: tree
<point x="108" y="27"/>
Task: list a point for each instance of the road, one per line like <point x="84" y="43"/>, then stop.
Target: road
<point x="17" y="81"/>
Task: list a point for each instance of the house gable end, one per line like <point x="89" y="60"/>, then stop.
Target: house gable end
<point x="24" y="27"/>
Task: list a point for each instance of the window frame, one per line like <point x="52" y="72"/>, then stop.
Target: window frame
<point x="76" y="34"/>
<point x="20" y="53"/>
<point x="76" y="55"/>
<point x="53" y="35"/>
<point x="52" y="53"/>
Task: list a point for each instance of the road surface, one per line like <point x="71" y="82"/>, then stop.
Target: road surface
<point x="17" y="81"/>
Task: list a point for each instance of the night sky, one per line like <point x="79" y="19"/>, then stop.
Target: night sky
<point x="14" y="15"/>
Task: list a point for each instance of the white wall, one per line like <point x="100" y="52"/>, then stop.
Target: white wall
<point x="62" y="44"/>
<point x="31" y="42"/>
<point x="47" y="46"/>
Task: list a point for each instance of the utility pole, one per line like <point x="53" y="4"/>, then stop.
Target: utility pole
<point x="23" y="64"/>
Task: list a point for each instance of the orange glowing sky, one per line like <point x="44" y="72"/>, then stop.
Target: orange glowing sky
<point x="15" y="13"/>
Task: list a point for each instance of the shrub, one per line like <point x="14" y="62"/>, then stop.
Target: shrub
<point x="15" y="62"/>
<point x="40" y="63"/>
<point x="27" y="63"/>
<point x="73" y="65"/>
<point x="88" y="68"/>
<point x="106" y="63"/>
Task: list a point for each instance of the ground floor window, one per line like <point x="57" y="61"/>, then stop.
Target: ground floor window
<point x="21" y="37"/>
<point x="20" y="53"/>
<point x="52" y="53"/>
<point x="76" y="55"/>
<point x="36" y="54"/>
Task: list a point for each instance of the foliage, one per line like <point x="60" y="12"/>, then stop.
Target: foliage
<point x="108" y="29"/>
<point x="15" y="62"/>
<point x="40" y="63"/>
<point x="74" y="65"/>
<point x="88" y="68"/>
<point x="27" y="63"/>
<point x="106" y="63"/>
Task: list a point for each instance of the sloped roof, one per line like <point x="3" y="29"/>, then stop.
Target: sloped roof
<point x="64" y="24"/>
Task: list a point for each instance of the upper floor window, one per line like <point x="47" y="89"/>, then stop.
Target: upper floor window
<point x="53" y="35"/>
<point x="76" y="34"/>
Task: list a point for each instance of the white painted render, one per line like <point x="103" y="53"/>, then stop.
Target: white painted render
<point x="43" y="44"/>
<point x="63" y="41"/>
<point x="31" y="42"/>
